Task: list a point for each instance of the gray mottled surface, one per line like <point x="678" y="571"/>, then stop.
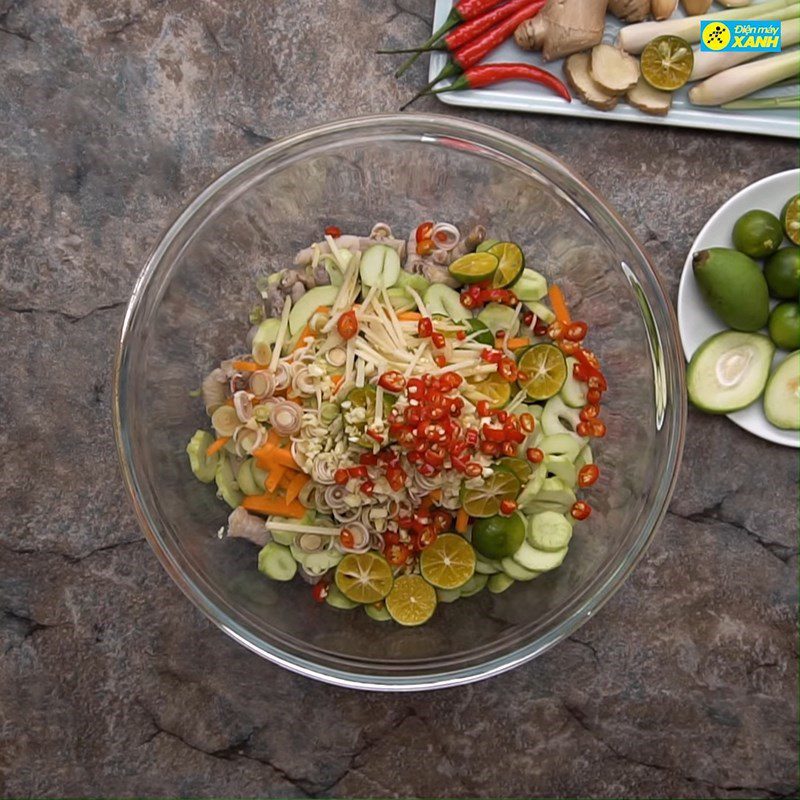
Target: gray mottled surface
<point x="112" y="115"/>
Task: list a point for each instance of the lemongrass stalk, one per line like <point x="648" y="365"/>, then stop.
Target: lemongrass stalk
<point x="734" y="3"/>
<point x="634" y="38"/>
<point x="707" y="62"/>
<point x="763" y="103"/>
<point x="736" y="82"/>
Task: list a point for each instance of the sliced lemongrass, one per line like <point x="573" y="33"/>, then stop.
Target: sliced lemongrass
<point x="291" y="527"/>
<point x="278" y="346"/>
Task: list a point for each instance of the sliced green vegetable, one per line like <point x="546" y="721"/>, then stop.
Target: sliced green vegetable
<point x="276" y="562"/>
<point x="380" y="266"/>
<point x="204" y="467"/>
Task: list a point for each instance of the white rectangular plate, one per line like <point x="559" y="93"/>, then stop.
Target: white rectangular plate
<point x="523" y="96"/>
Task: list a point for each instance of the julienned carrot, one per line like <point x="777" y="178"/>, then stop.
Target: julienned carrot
<point x="409" y="316"/>
<point x="559" y="304"/>
<point x="269" y="504"/>
<point x="277" y="456"/>
<point x="513" y="344"/>
<point x="303" y="336"/>
<point x="217" y="444"/>
<point x="276" y="472"/>
<point x="246" y="366"/>
<point x="462" y="521"/>
<point x="295" y="485"/>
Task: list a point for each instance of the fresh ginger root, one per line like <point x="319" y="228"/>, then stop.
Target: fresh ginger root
<point x="629" y="10"/>
<point x="563" y="27"/>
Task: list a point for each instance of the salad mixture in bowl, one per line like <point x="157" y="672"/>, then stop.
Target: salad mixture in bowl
<point x="411" y="424"/>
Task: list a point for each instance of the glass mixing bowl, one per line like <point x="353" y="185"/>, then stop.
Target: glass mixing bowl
<point x="189" y="310"/>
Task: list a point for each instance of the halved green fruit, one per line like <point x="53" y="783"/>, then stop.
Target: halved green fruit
<point x="729" y="371"/>
<point x="790" y="219"/>
<point x="511" y="263"/>
<point x="474" y="267"/>
<point x="782" y="396"/>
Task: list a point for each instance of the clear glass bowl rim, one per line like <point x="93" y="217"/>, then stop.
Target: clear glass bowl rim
<point x="507" y="146"/>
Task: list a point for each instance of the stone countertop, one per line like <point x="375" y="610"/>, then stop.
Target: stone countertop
<point x="113" y="115"/>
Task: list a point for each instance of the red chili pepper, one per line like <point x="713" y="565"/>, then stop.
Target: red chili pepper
<point x="568" y="347"/>
<point x="534" y="455"/>
<point x="393" y="381"/>
<point x="593" y="396"/>
<point x="527" y="319"/>
<point x="425" y="327"/>
<point x="426" y="247"/>
<point x="441" y="361"/>
<point x="334" y="231"/>
<point x="555" y="330"/>
<point x="473" y="469"/>
<point x="502" y="416"/>
<point x="576" y="331"/>
<point x="587" y="475"/>
<point x="507" y="369"/>
<point x="451" y="380"/>
<point x="319" y="591"/>
<point x="580" y="372"/>
<point x="597" y="428"/>
<point x="426" y="537"/>
<point x="597" y="381"/>
<point x="540" y="328"/>
<point x="368" y="459"/>
<point x="507" y="507"/>
<point x="527" y="422"/>
<point x="340" y="476"/>
<point x="415" y="389"/>
<point x="490" y="448"/>
<point x="356" y="472"/>
<point x="368" y="487"/>
<point x="509" y="448"/>
<point x="462" y="11"/>
<point x="346" y="538"/>
<point x="482" y="407"/>
<point x="347" y="325"/>
<point x="461" y="335"/>
<point x="442" y="520"/>
<point x="580" y="510"/>
<point x="468" y="302"/>
<point x="491" y="434"/>
<point x="438" y="340"/>
<point x="491" y="356"/>
<point x="423" y="231"/>
<point x="589" y="412"/>
<point x="397" y="554"/>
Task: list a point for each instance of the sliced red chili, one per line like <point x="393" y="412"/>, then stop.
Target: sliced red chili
<point x="461" y="335"/>
<point x="423" y="231"/>
<point x="334" y="231"/>
<point x="396" y="477"/>
<point x="397" y="554"/>
<point x="527" y="422"/>
<point x="540" y="327"/>
<point x="598" y="428"/>
<point x="580" y="510"/>
<point x="589" y="412"/>
<point x="347" y="325"/>
<point x="442" y="521"/>
<point x="491" y="356"/>
<point x="587" y="475"/>
<point x="555" y="330"/>
<point x="438" y="340"/>
<point x="425" y="327"/>
<point x="356" y="472"/>
<point x="426" y="537"/>
<point x="346" y="538"/>
<point x="534" y="455"/>
<point x="434" y="457"/>
<point x="340" y="476"/>
<point x="441" y="361"/>
<point x="490" y="448"/>
<point x="593" y="396"/>
<point x="319" y="591"/>
<point x="507" y="369"/>
<point x="491" y="434"/>
<point x="509" y="448"/>
<point x="367" y="488"/>
<point x="368" y="459"/>
<point x="482" y="407"/>
<point x="392" y="381"/>
<point x="568" y="347"/>
<point x="507" y="507"/>
<point x="468" y="302"/>
<point x="473" y="469"/>
<point x="583" y="429"/>
<point x="502" y="416"/>
<point x="576" y="331"/>
<point x="426" y="247"/>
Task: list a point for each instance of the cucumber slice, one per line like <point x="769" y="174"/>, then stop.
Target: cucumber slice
<point x="584" y="457"/>
<point x="486" y="566"/>
<point x="332" y="268"/>
<point x="556" y="413"/>
<point x="554" y="495"/>
<point x="562" y="444"/>
<point x="499" y="583"/>
<point x="517" y="571"/>
<point x="441" y="299"/>
<point x="782" y="398"/>
<point x="303" y="309"/>
<point x="533" y="486"/>
<point x="377" y="612"/>
<point x="729" y="371"/>
<point x="499" y="317"/>
<point x="246" y="479"/>
<point x="336" y="599"/>
<point x="380" y="266"/>
<point x="204" y="467"/>
<point x="418" y="283"/>
<point x="474" y="585"/>
<point x="227" y="488"/>
<point x="531" y="286"/>
<point x="285" y="537"/>
<point x="538" y="560"/>
<point x="542" y="311"/>
<point x="573" y="392"/>
<point x="562" y="467"/>
<point x="276" y="562"/>
<point x="266" y="336"/>
<point x="448" y="595"/>
<point x="548" y="531"/>
<point x="400" y="298"/>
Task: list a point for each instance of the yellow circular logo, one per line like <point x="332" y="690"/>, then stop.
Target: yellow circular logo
<point x="716" y="36"/>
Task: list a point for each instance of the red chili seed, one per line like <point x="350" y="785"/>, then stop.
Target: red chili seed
<point x="580" y="510"/>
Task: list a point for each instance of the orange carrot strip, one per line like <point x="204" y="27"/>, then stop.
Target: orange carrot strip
<point x="276" y="472"/>
<point x="436" y="495"/>
<point x="295" y="485"/>
<point x="462" y="521"/>
<point x="336" y="380"/>
<point x="303" y="336"/>
<point x="246" y="366"/>
<point x="268" y="504"/>
<point x="409" y="316"/>
<point x="559" y="304"/>
<point x="217" y="444"/>
<point x="283" y="456"/>
<point x="521" y="341"/>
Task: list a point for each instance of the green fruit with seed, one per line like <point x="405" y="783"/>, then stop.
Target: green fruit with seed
<point x="784" y="326"/>
<point x="782" y="271"/>
<point x="757" y="233"/>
